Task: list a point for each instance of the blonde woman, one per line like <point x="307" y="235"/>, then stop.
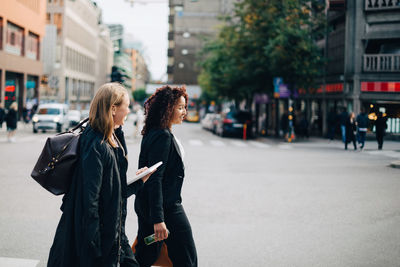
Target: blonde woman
<point x="11" y="121"/>
<point x="91" y="231"/>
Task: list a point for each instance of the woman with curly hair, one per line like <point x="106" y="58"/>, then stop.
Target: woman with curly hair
<point x="158" y="205"/>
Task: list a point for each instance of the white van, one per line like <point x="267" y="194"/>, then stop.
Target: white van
<point x="52" y="116"/>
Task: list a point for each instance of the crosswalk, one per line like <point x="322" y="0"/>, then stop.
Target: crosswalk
<point x="227" y="143"/>
<point x="14" y="262"/>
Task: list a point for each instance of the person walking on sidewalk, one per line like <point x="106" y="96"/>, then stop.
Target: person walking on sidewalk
<point x="343" y="118"/>
<point x="159" y="205"/>
<point x="362" y="127"/>
<point x="91" y="231"/>
<point x="11" y="121"/>
<point x="380" y="129"/>
<point x="2" y="115"/>
<point x="351" y="130"/>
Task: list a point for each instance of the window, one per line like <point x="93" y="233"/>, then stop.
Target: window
<point x="48" y="18"/>
<point x="1" y="33"/>
<point x="32" y="50"/>
<point x="58" y="21"/>
<point x="14" y="39"/>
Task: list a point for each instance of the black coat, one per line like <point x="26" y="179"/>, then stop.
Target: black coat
<point x="350" y="129"/>
<point x="163" y="189"/>
<point x="11" y="119"/>
<point x="94" y="208"/>
<point x="380" y="125"/>
<point x="2" y="115"/>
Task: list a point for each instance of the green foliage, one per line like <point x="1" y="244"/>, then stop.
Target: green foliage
<point x="139" y="94"/>
<point x="262" y="40"/>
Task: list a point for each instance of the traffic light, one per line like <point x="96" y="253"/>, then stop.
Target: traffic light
<point x="116" y="75"/>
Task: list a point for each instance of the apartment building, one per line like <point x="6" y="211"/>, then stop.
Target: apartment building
<point x="190" y="22"/>
<point x="78" y="52"/>
<point x="140" y="72"/>
<point x="363" y="70"/>
<point x="22" y="27"/>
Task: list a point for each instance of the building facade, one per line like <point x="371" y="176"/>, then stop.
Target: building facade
<point x="190" y="22"/>
<point x="22" y="27"/>
<point x="78" y="52"/>
<point x="363" y="70"/>
<point x="140" y="72"/>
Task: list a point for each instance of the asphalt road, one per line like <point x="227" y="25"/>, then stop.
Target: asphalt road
<point x="251" y="203"/>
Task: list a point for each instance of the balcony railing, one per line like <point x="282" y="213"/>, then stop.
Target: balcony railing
<point x="381" y="4"/>
<point x="382" y="63"/>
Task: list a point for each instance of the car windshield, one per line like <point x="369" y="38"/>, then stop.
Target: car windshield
<point x="49" y="111"/>
<point x="240" y="116"/>
<point x="74" y="113"/>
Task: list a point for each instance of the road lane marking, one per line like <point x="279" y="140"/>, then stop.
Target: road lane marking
<point x="195" y="142"/>
<point x="285" y="146"/>
<point x="217" y="143"/>
<point x="14" y="262"/>
<point x="239" y="143"/>
<point x="258" y="144"/>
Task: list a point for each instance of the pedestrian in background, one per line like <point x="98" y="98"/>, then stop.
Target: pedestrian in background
<point x="2" y="115"/>
<point x="285" y="124"/>
<point x="159" y="204"/>
<point x="362" y="127"/>
<point x="351" y="131"/>
<point x="11" y="121"/>
<point x="380" y="129"/>
<point x="91" y="231"/>
<point x="343" y="118"/>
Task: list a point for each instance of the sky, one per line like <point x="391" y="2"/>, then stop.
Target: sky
<point x="147" y="24"/>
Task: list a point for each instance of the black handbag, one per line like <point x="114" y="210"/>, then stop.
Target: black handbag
<point x="56" y="164"/>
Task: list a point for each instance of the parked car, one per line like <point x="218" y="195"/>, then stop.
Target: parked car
<point x="52" y="116"/>
<point x="207" y="121"/>
<point x="232" y="123"/>
<point x="74" y="117"/>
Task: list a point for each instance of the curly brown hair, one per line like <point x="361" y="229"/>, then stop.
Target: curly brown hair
<point x="159" y="108"/>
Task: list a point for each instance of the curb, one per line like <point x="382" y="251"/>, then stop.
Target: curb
<point x="395" y="164"/>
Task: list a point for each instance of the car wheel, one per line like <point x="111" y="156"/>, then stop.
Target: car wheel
<point x="35" y="130"/>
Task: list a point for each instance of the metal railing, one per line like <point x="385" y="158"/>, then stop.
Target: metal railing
<point x="381" y="63"/>
<point x="381" y="4"/>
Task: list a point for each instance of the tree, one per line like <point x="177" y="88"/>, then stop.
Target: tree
<point x="263" y="39"/>
<point x="139" y="94"/>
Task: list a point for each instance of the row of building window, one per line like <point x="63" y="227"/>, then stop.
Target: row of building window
<point x="15" y="41"/>
<point x="78" y="62"/>
<point x="81" y="89"/>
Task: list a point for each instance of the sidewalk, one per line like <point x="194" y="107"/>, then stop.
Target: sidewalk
<point x="389" y="146"/>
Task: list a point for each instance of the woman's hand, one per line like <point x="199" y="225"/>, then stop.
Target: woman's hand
<point x="144" y="179"/>
<point x="160" y="231"/>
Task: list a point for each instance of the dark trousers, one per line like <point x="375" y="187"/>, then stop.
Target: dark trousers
<point x="180" y="243"/>
<point x="361" y="138"/>
<point x="350" y="139"/>
<point x="379" y="138"/>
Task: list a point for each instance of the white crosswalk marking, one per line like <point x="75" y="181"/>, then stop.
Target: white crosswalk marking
<point x="285" y="146"/>
<point x="239" y="143"/>
<point x="258" y="144"/>
<point x="217" y="143"/>
<point x="13" y="262"/>
<point x="195" y="142"/>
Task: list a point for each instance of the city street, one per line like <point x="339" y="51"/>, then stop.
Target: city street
<point x="257" y="203"/>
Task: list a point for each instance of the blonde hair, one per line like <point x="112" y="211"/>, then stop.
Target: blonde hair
<point x="14" y="106"/>
<point x="100" y="113"/>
